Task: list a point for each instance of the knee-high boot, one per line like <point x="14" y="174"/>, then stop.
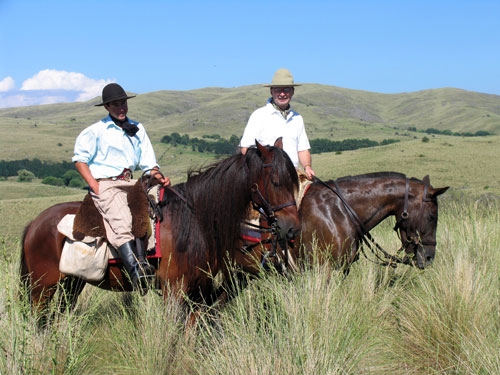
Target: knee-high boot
<point x="136" y="273"/>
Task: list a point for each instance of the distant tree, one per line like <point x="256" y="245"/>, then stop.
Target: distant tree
<point x="234" y="140"/>
<point x="70" y="175"/>
<point x="54" y="181"/>
<point x="425" y="139"/>
<point x="166" y="139"/>
<point x="24" y="175"/>
<point x="481" y="133"/>
<point x="77" y="183"/>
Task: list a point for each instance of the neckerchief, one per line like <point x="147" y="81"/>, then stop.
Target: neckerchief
<point x="284" y="112"/>
<point x="128" y="128"/>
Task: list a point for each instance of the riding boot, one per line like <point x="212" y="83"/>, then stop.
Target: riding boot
<point x="129" y="259"/>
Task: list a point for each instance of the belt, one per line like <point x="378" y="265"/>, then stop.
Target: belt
<point x="126" y="175"/>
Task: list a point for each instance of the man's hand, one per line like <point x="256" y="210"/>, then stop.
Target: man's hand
<point x="163" y="180"/>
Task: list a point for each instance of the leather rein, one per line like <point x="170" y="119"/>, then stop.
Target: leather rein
<point x="384" y="258"/>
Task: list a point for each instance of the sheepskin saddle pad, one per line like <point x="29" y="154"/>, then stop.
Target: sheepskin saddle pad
<point x="89" y="222"/>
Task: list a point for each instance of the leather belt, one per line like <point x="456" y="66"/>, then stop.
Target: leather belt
<point x="126" y="175"/>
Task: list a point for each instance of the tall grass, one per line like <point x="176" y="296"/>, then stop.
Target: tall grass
<point x="377" y="320"/>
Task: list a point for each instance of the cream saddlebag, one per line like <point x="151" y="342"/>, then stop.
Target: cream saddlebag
<point x="87" y="259"/>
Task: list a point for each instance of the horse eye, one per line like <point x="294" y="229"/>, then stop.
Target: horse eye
<point x="275" y="181"/>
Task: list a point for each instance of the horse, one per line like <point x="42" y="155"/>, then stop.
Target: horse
<point x="199" y="231"/>
<point x="337" y="215"/>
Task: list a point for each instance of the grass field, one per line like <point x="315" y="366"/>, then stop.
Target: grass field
<point x="443" y="320"/>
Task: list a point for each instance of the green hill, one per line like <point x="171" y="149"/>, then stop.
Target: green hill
<point x="48" y="132"/>
<point x="330" y="112"/>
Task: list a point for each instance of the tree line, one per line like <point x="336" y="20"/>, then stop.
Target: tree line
<point x="65" y="174"/>
<point x="479" y="133"/>
<point x="220" y="146"/>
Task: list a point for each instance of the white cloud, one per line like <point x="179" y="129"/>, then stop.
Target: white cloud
<point x="50" y="86"/>
<point x="7" y="84"/>
<point x="50" y="79"/>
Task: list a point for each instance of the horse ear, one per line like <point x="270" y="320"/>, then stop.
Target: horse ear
<point x="262" y="149"/>
<point x="426" y="180"/>
<point x="279" y="143"/>
<point x="439" y="191"/>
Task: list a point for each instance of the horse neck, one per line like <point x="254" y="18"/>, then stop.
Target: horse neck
<point x="385" y="198"/>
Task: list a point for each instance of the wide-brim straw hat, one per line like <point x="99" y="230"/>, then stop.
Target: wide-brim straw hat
<point x="282" y="78"/>
<point x="113" y="92"/>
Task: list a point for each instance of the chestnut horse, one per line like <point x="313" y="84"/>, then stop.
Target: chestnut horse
<point x="336" y="218"/>
<point x="198" y="234"/>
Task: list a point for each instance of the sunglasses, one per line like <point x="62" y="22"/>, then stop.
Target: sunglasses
<point x="286" y="90"/>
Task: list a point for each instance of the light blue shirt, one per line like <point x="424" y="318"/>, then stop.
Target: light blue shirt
<point x="266" y="124"/>
<point x="108" y="150"/>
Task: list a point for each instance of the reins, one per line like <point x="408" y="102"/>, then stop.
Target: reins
<point x="366" y="238"/>
<point x="156" y="207"/>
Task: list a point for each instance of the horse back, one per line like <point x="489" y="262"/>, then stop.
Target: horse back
<point x="42" y="243"/>
<point x="325" y="222"/>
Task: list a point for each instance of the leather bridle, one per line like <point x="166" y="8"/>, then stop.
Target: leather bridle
<point x="260" y="203"/>
<point x="387" y="259"/>
<point x="402" y="227"/>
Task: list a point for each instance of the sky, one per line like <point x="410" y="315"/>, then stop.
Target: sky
<point x="55" y="51"/>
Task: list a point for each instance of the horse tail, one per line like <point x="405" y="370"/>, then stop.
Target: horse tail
<point x="23" y="267"/>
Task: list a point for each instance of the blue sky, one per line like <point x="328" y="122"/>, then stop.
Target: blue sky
<point x="61" y="51"/>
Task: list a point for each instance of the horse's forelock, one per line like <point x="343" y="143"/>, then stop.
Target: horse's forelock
<point x="281" y="165"/>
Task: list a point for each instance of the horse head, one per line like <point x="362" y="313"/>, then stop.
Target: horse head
<point x="417" y="222"/>
<point x="273" y="190"/>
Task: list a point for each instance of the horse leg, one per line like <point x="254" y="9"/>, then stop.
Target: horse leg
<point x="70" y="289"/>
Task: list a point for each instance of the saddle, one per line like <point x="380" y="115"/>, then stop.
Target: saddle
<point x="89" y="222"/>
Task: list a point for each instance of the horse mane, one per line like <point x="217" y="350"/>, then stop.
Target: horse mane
<point x="217" y="200"/>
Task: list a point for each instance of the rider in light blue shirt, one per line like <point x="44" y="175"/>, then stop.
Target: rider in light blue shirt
<point x="106" y="153"/>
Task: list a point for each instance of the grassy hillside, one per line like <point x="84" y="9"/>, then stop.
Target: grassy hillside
<point x="48" y="132"/>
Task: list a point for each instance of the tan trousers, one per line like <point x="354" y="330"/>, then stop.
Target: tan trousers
<point x="113" y="206"/>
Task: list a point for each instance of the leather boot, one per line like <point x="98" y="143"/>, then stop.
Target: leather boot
<point x="129" y="259"/>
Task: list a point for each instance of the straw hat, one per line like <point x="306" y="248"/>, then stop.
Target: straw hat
<point x="282" y="78"/>
<point x="113" y="92"/>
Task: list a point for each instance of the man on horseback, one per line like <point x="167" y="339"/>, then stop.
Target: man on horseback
<point x="106" y="153"/>
<point x="276" y="119"/>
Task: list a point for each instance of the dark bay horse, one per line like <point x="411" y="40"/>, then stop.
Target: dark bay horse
<point x="337" y="216"/>
<point x="198" y="234"/>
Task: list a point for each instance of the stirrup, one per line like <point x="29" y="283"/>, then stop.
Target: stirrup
<point x="144" y="278"/>
<point x="146" y="269"/>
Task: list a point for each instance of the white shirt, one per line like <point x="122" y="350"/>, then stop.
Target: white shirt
<point x="266" y="124"/>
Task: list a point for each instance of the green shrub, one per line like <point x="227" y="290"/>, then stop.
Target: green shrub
<point x="54" y="181"/>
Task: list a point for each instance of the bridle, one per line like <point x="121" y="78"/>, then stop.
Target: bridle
<point x="260" y="203"/>
<point x="402" y="228"/>
<point x="384" y="258"/>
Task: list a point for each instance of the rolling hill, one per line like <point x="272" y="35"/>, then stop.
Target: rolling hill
<point x="48" y="131"/>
